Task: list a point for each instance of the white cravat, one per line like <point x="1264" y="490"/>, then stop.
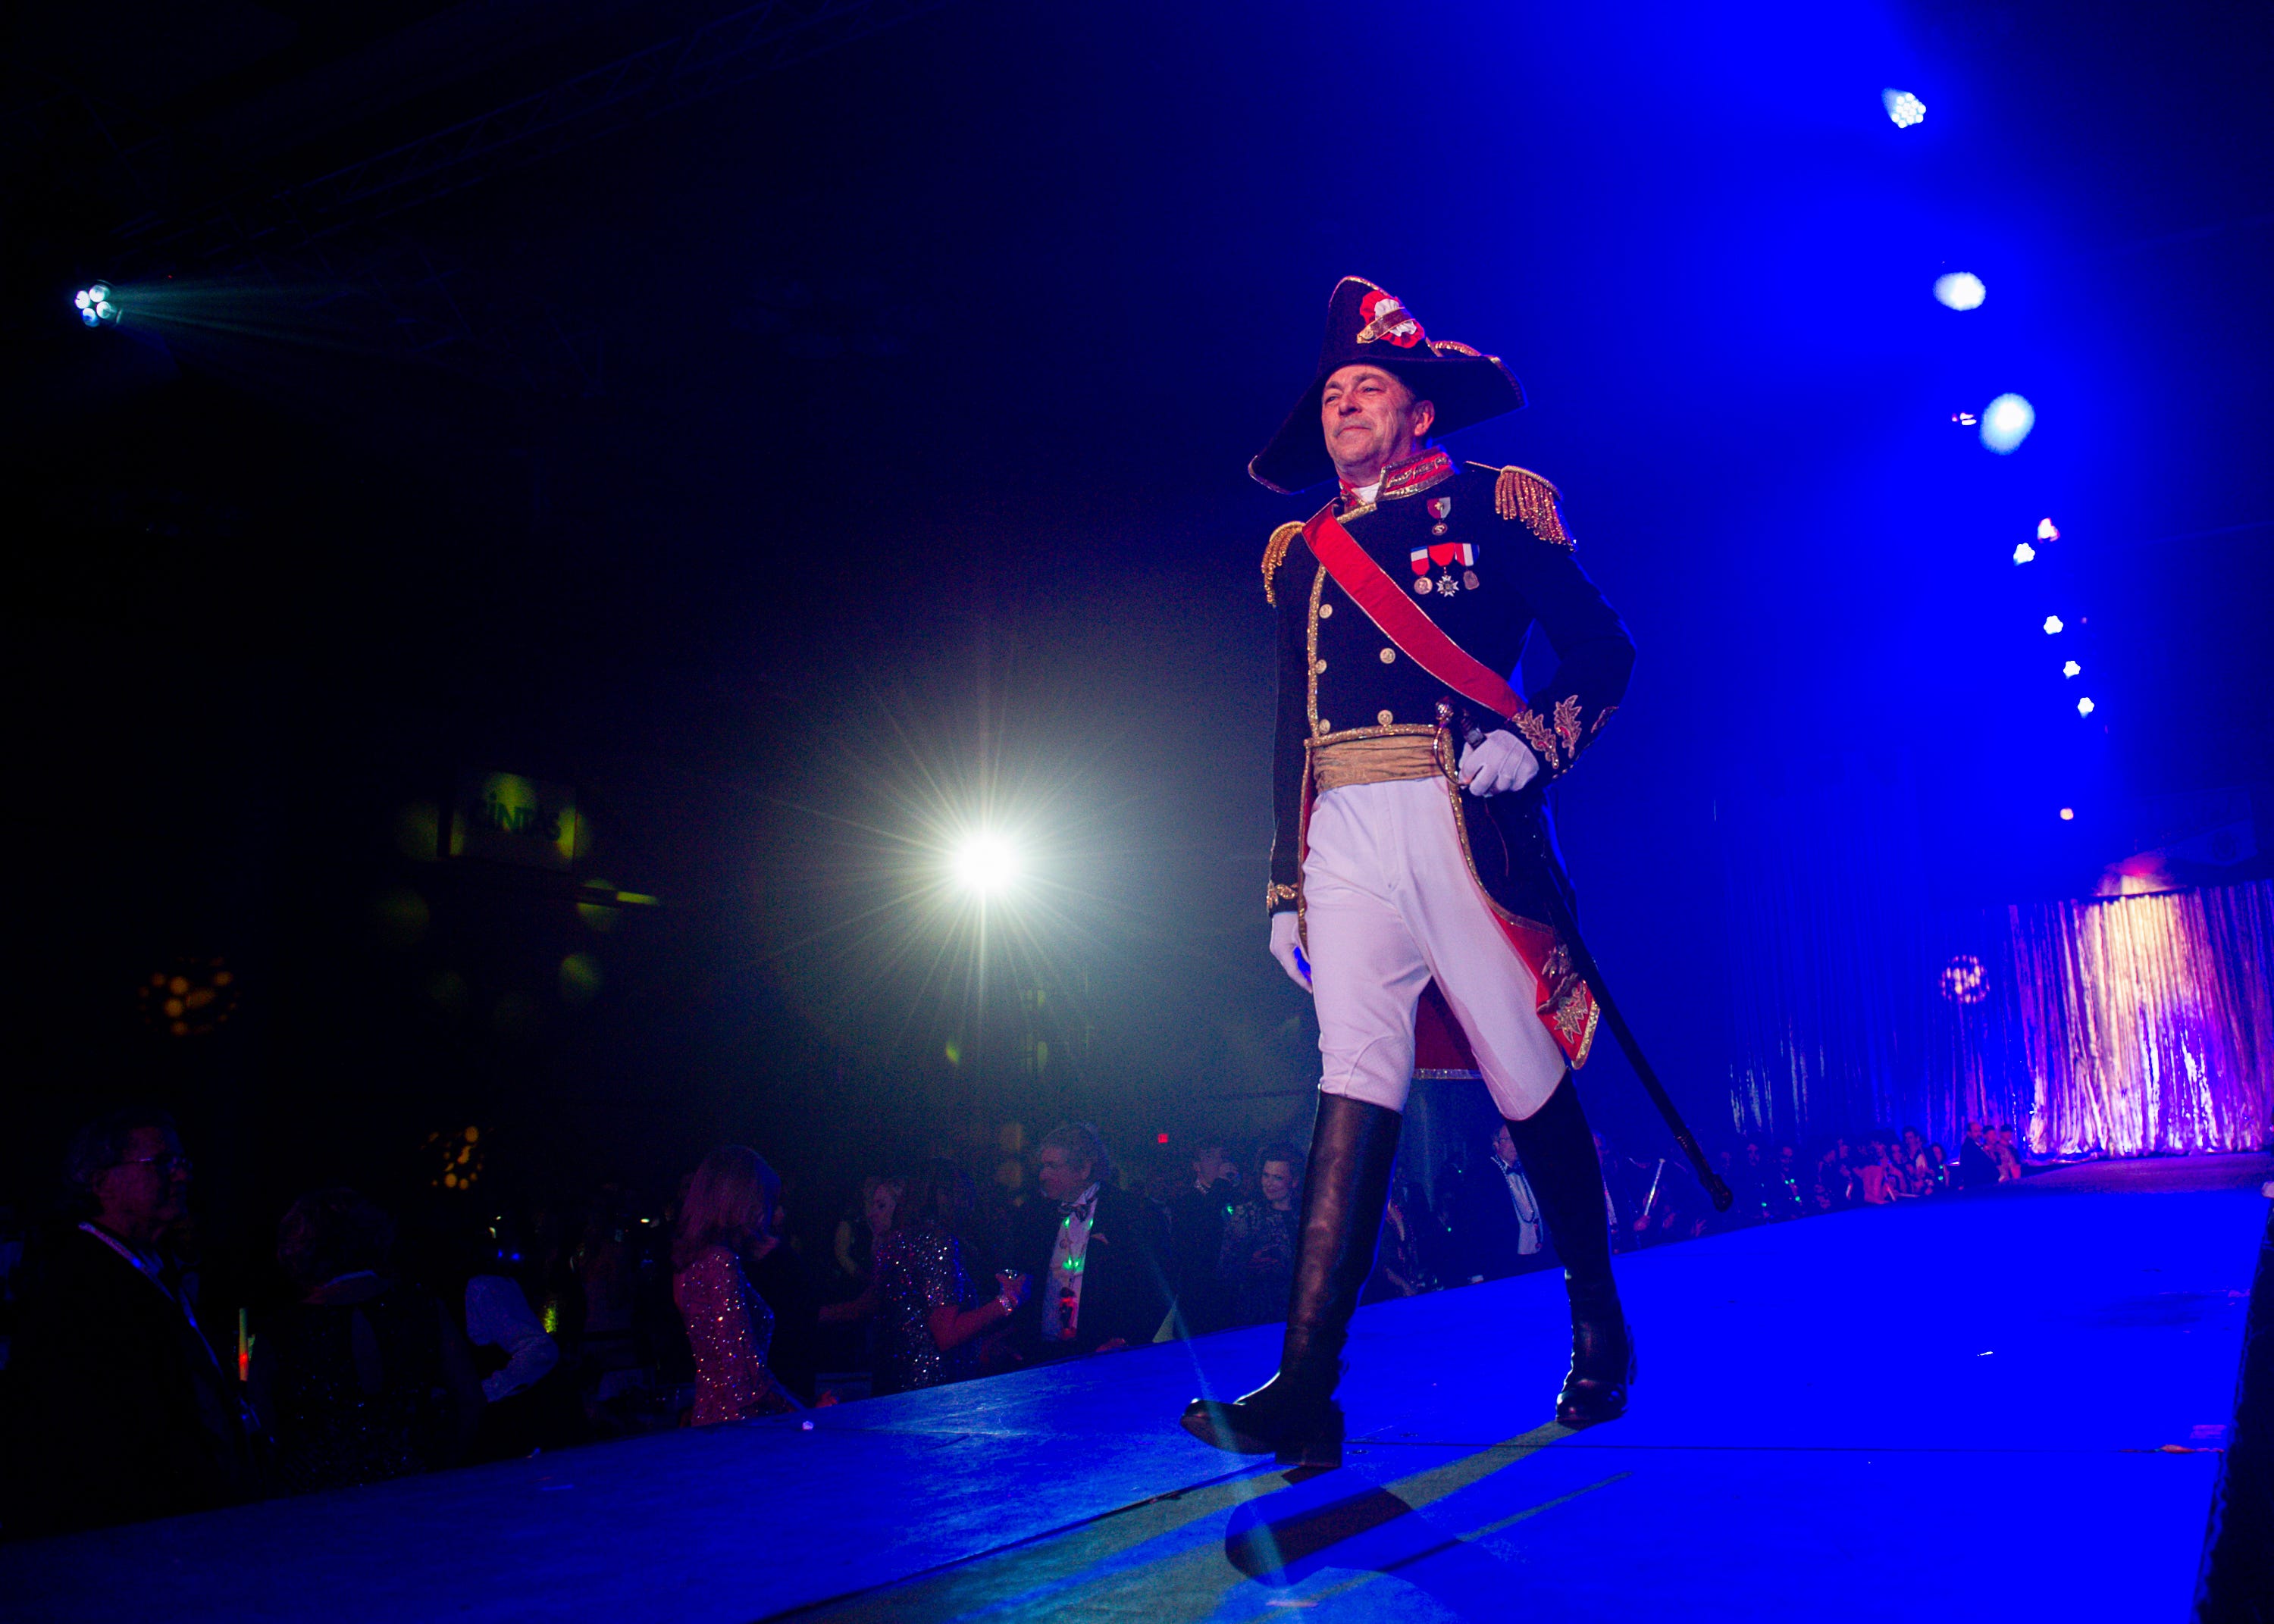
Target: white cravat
<point x="1365" y="493"/>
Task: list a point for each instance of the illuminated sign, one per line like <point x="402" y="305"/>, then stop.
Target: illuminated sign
<point x="504" y="817"/>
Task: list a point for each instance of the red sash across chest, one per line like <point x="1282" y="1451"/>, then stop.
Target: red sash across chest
<point x="1401" y="619"/>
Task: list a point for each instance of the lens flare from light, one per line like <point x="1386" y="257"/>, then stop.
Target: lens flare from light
<point x="2084" y="706"/>
<point x="2070" y="668"/>
<point x="2024" y="554"/>
<point x="986" y="865"/>
<point x="2052" y="625"/>
<point x="2006" y="422"/>
<point x="1960" y="290"/>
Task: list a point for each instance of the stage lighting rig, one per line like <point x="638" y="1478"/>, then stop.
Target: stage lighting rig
<point x="1960" y="290"/>
<point x="1904" y="108"/>
<point x="96" y="307"/>
<point x="2006" y="422"/>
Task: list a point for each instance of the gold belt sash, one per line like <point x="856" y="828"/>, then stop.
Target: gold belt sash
<point x="1340" y="763"/>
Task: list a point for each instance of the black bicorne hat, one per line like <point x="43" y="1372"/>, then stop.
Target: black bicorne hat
<point x="1365" y="324"/>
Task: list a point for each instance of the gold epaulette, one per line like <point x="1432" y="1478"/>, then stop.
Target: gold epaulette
<point x="1275" y="550"/>
<point x="1523" y="494"/>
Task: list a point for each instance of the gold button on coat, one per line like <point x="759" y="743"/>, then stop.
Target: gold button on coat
<point x="1319" y="666"/>
<point x="1325" y="726"/>
<point x="1387" y="656"/>
<point x="1383" y="717"/>
<point x="1326" y="612"/>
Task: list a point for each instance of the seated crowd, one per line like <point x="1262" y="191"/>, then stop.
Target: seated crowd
<point x="491" y="1341"/>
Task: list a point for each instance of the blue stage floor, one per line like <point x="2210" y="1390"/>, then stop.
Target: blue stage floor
<point x="2004" y="1407"/>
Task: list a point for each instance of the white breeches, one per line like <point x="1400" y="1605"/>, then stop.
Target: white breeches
<point x="1389" y="903"/>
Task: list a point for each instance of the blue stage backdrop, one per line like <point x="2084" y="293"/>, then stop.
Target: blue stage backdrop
<point x="2127" y="1026"/>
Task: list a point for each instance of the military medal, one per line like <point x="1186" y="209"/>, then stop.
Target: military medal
<point x="1446" y="554"/>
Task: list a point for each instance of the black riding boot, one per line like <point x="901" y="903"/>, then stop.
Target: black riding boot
<point x="1558" y="1153"/>
<point x="1345" y="1186"/>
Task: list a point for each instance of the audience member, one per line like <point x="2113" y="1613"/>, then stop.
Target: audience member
<point x="607" y="1265"/>
<point x="928" y="1315"/>
<point x="1835" y="1178"/>
<point x="363" y="1378"/>
<point x="729" y="1216"/>
<point x="1094" y="1250"/>
<point x="1497" y="1225"/>
<point x="2008" y="1159"/>
<point x="1255" y="1265"/>
<point x="532" y="1399"/>
<point x="1880" y="1180"/>
<point x="1977" y="1167"/>
<point x="125" y="1410"/>
<point x="859" y="1231"/>
<point x="1196" y="1220"/>
<point x="1398" y="1269"/>
<point x="1918" y="1167"/>
<point x="1786" y="1201"/>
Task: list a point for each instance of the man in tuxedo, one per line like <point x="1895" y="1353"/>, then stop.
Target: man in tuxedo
<point x="1497" y="1220"/>
<point x="124" y="1409"/>
<point x="1196" y="1236"/>
<point x="1095" y="1252"/>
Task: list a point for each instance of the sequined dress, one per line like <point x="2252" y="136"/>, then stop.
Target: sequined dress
<point x="919" y="1269"/>
<point x="730" y="1328"/>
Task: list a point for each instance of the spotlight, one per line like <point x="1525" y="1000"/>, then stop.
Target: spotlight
<point x="1964" y="419"/>
<point x="2024" y="554"/>
<point x="2068" y="815"/>
<point x="2084" y="706"/>
<point x="2047" y="530"/>
<point x="986" y="865"/>
<point x="2006" y="422"/>
<point x="1960" y="291"/>
<point x="94" y="307"/>
<point x="2070" y="668"/>
<point x="1904" y="108"/>
<point x="2052" y="625"/>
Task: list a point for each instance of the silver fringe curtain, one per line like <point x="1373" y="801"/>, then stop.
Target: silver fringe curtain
<point x="2127" y="1025"/>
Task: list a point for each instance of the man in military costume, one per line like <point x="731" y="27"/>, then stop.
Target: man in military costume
<point x="1413" y="846"/>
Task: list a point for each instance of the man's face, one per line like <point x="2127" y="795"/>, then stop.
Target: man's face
<point x="1371" y="420"/>
<point x="1277" y="1180"/>
<point x="1503" y="1146"/>
<point x="1208" y="1165"/>
<point x="1060" y="1177"/>
<point x="148" y="1188"/>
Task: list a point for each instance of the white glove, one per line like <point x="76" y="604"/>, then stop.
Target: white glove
<point x="1497" y="764"/>
<point x="1287" y="947"/>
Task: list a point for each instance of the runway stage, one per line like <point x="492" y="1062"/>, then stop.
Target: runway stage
<point x="1998" y="1407"/>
